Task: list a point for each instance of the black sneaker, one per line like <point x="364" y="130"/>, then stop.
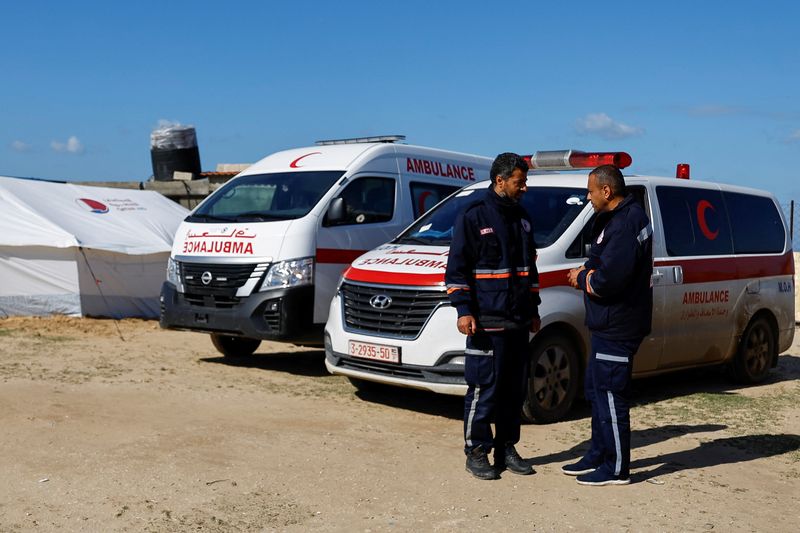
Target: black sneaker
<point x="478" y="464"/>
<point x="581" y="467"/>
<point x="600" y="477"/>
<point x="512" y="462"/>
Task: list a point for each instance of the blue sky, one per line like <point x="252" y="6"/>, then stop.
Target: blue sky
<point x="713" y="84"/>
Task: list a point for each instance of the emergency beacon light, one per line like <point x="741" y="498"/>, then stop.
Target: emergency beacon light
<point x="567" y="159"/>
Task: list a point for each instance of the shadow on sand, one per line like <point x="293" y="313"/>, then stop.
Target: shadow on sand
<point x="301" y="363"/>
<point x="716" y="452"/>
<point x="726" y="450"/>
<point x="311" y="363"/>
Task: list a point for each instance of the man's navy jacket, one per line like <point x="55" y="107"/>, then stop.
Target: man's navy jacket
<point x="491" y="269"/>
<point x="618" y="295"/>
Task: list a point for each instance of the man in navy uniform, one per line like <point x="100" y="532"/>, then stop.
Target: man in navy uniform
<point x="618" y="298"/>
<point x="492" y="282"/>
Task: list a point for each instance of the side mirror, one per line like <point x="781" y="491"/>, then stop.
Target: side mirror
<point x="336" y="211"/>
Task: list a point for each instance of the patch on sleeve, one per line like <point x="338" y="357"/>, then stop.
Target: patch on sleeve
<point x="486" y="231"/>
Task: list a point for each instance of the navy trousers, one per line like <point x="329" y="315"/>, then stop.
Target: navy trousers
<point x="496" y="371"/>
<point x="607" y="387"/>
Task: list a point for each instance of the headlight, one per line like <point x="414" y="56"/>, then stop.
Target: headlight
<point x="290" y="274"/>
<point x="173" y="272"/>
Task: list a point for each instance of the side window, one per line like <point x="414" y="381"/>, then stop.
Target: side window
<point x="756" y="224"/>
<point x="426" y="195"/>
<point x="578" y="248"/>
<point x="368" y="200"/>
<point x="695" y="221"/>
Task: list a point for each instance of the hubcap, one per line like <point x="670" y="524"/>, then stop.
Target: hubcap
<point x="757" y="350"/>
<point x="551" y="377"/>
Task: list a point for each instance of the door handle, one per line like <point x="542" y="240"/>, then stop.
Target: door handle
<point x="677" y="274"/>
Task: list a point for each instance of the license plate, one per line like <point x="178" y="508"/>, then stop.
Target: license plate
<point x="378" y="352"/>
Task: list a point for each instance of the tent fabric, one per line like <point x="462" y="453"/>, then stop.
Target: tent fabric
<point x="64" y="215"/>
<point x="81" y="250"/>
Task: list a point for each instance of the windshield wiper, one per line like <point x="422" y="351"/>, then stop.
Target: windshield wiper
<point x="260" y="215"/>
<point x="413" y="240"/>
<point x="212" y="217"/>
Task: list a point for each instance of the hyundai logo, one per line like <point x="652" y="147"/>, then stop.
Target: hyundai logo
<point x="380" y="301"/>
<point x="206" y="277"/>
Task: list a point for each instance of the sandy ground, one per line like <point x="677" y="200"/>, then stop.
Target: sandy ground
<point x="125" y="427"/>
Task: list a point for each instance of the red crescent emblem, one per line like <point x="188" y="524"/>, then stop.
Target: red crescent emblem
<point x="422" y="198"/>
<point x="294" y="164"/>
<point x="702" y="205"/>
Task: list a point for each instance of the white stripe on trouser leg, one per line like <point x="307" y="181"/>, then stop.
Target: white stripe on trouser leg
<point x="618" y="465"/>
<point x="472" y="414"/>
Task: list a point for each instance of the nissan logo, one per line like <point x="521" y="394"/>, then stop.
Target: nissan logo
<point x="380" y="301"/>
<point x="206" y="277"/>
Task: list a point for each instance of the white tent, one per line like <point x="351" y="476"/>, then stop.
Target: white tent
<point x="79" y="250"/>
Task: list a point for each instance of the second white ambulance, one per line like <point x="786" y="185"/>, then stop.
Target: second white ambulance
<point x="260" y="258"/>
<point x="722" y="286"/>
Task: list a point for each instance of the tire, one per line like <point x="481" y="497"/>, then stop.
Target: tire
<point x="553" y="379"/>
<point x="756" y="352"/>
<point x="233" y="347"/>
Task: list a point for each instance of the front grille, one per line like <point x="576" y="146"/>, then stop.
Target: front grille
<point x="441" y="374"/>
<point x="219" y="301"/>
<point x="225" y="278"/>
<point x="405" y="317"/>
<point x="384" y="369"/>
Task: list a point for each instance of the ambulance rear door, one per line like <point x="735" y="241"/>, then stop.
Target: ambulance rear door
<point x="698" y="271"/>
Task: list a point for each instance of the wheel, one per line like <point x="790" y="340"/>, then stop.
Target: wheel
<point x="232" y="346"/>
<point x="756" y="351"/>
<point x="553" y="379"/>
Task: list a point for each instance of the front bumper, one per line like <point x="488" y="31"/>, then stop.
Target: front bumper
<point x="442" y="379"/>
<point x="279" y="314"/>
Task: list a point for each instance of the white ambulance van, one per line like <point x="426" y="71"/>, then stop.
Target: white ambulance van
<point x="722" y="283"/>
<point x="260" y="258"/>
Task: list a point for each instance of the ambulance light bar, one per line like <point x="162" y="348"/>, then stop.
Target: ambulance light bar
<point x="358" y="140"/>
<point x="566" y="159"/>
<point x="682" y="172"/>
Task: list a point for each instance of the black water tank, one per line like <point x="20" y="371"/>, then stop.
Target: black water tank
<point x="174" y="147"/>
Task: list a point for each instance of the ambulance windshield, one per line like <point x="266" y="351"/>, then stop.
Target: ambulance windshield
<point x="261" y="197"/>
<point x="552" y="210"/>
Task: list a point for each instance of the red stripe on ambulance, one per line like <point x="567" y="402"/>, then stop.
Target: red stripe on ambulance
<point x="394" y="278"/>
<point x="729" y="268"/>
<point x="337" y="256"/>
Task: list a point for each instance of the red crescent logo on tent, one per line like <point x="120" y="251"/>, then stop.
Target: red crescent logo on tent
<point x="702" y="206"/>
<point x="92" y="205"/>
<point x="294" y="164"/>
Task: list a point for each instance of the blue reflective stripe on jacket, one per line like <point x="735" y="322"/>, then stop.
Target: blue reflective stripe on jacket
<point x="491" y="270"/>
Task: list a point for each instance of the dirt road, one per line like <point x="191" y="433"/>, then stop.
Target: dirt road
<point x="131" y="428"/>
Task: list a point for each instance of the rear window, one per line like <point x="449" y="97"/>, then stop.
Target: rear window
<point x="552" y="210"/>
<point x="756" y="224"/>
<point x="695" y="221"/>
